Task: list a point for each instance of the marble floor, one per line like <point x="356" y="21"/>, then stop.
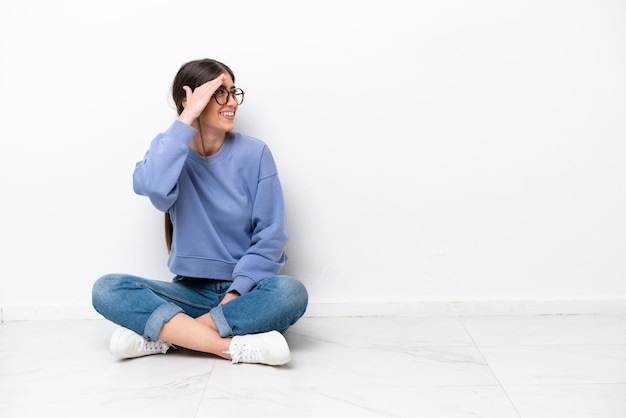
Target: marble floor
<point x="487" y="367"/>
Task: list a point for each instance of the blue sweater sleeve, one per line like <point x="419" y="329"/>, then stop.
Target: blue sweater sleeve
<point x="265" y="256"/>
<point x="157" y="174"/>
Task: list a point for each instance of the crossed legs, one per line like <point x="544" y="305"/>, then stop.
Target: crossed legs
<point x="198" y="314"/>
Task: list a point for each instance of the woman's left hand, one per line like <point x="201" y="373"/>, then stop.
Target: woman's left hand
<point x="196" y="100"/>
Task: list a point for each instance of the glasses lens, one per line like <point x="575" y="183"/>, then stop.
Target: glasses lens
<point x="222" y="96"/>
<point x="238" y="95"/>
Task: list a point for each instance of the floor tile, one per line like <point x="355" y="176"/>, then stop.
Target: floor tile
<point x="546" y="329"/>
<point x="358" y="401"/>
<point x="552" y="364"/>
<point x="569" y="401"/>
<point x="401" y="332"/>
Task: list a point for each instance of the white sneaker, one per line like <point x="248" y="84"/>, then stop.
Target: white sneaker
<point x="128" y="344"/>
<point x="266" y="348"/>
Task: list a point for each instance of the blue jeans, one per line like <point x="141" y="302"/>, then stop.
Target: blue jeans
<point x="144" y="305"/>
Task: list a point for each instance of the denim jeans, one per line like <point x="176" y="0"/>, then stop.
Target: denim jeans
<point x="144" y="305"/>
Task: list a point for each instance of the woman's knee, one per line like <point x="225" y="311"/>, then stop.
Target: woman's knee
<point x="104" y="289"/>
<point x="293" y="292"/>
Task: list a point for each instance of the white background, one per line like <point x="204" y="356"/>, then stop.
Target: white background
<point x="429" y="150"/>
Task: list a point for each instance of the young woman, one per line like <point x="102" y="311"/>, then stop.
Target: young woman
<point x="225" y="226"/>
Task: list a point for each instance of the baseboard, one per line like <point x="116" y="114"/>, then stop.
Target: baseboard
<point x="470" y="308"/>
<point x="329" y="309"/>
<point x="47" y="312"/>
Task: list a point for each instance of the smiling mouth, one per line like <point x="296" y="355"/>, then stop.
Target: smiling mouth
<point x="228" y="114"/>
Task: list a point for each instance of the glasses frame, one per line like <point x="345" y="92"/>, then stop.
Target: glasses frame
<point x="234" y="92"/>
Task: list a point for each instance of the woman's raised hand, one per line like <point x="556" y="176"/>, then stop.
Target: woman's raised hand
<point x="198" y="99"/>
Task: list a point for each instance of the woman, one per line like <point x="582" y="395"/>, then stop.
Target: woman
<point x="220" y="191"/>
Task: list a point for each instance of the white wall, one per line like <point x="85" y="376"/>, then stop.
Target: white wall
<point x="430" y="151"/>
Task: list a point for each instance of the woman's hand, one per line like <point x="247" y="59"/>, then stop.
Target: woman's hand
<point x="198" y="99"/>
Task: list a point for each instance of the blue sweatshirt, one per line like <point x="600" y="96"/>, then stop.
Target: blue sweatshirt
<point x="227" y="209"/>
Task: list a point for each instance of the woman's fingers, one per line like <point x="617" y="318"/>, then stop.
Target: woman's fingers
<point x="196" y="100"/>
<point x="203" y="93"/>
<point x="211" y="85"/>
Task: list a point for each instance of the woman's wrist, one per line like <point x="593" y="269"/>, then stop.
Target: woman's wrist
<point x="185" y="118"/>
<point x="230" y="296"/>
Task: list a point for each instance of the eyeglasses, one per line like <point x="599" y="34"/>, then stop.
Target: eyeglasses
<point x="222" y="96"/>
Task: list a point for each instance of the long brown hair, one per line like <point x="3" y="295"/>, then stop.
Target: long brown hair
<point x="192" y="74"/>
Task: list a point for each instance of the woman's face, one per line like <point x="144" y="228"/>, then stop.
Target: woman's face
<point x="219" y="117"/>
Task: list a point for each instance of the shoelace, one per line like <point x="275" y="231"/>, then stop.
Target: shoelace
<point x="153" y="346"/>
<point x="244" y="353"/>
